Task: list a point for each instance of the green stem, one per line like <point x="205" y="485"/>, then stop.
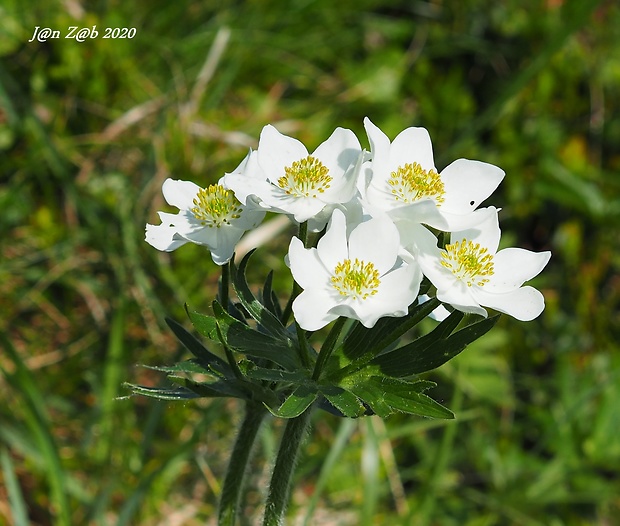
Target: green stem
<point x="303" y="233"/>
<point x="304" y="348"/>
<point x="328" y="347"/>
<point x="233" y="483"/>
<point x="288" y="310"/>
<point x="280" y="487"/>
<point x="224" y="286"/>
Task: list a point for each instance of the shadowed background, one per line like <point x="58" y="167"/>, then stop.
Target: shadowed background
<point x="88" y="133"/>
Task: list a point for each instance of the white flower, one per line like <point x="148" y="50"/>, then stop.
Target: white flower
<point x="207" y="216"/>
<point x="285" y="178"/>
<point x="361" y="277"/>
<point x="470" y="273"/>
<point x="402" y="180"/>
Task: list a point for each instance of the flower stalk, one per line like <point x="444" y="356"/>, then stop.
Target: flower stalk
<point x="328" y="347"/>
<point x="233" y="483"/>
<point x="280" y="487"/>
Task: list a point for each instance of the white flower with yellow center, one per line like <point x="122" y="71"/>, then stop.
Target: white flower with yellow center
<point x="210" y="216"/>
<point x="358" y="276"/>
<point x="285" y="178"/>
<point x="469" y="273"/>
<point x="402" y="181"/>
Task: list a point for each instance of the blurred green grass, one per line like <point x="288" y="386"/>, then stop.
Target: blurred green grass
<point x="89" y="131"/>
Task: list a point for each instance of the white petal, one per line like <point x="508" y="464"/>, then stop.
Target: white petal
<point x="344" y="189"/>
<point x="332" y="247"/>
<point x="397" y="291"/>
<point x="460" y="222"/>
<point x="487" y="232"/>
<point x="423" y="244"/>
<point x="514" y="266"/>
<point x="460" y="296"/>
<point x="248" y="167"/>
<point x="412" y="145"/>
<point x="180" y="193"/>
<point x="303" y="208"/>
<point x="307" y="268"/>
<point x="379" y="142"/>
<point x="277" y="151"/>
<point x="339" y="152"/>
<point x="162" y="237"/>
<point x="524" y="304"/>
<point x="170" y="219"/>
<point x="244" y="187"/>
<point x="425" y="212"/>
<point x="311" y="309"/>
<point x="227" y="238"/>
<point x="206" y="236"/>
<point x="249" y="218"/>
<point x="184" y="222"/>
<point x="375" y="241"/>
<point x="468" y="183"/>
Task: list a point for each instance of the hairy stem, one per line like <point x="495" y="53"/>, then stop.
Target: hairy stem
<point x="233" y="483"/>
<point x="280" y="487"/>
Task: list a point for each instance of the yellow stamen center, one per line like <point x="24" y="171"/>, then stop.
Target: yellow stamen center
<point x="468" y="261"/>
<point x="306" y="178"/>
<point x="411" y="183"/>
<point x="216" y="206"/>
<point x="356" y="279"/>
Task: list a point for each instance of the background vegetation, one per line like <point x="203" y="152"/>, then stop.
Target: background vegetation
<point x="89" y="131"/>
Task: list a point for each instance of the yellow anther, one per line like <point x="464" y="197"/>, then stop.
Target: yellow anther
<point x="306" y="178"/>
<point x="216" y="206"/>
<point x="468" y="261"/>
<point x="356" y="279"/>
<point x="411" y="183"/>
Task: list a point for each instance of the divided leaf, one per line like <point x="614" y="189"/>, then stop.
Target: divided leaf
<point x="242" y="338"/>
<point x="193" y="345"/>
<point x="177" y="393"/>
<point x="347" y="403"/>
<point x="256" y="309"/>
<point x="296" y="403"/>
<point x="433" y="349"/>
<point x="387" y="395"/>
<point x="386" y="331"/>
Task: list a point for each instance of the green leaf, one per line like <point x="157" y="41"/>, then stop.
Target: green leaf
<point x="296" y="403"/>
<point x="386" y="331"/>
<point x="161" y="393"/>
<point x="403" y="396"/>
<point x="193" y="345"/>
<point x="418" y="404"/>
<point x="374" y="398"/>
<point x="235" y="388"/>
<point x="270" y="300"/>
<point x="188" y="366"/>
<point x="347" y="403"/>
<point x="258" y="311"/>
<point x="218" y="389"/>
<point x="274" y="375"/>
<point x="432" y="350"/>
<point x="242" y="338"/>
<point x="205" y="325"/>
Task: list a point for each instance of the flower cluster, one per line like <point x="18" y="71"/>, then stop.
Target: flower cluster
<point x="389" y="218"/>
